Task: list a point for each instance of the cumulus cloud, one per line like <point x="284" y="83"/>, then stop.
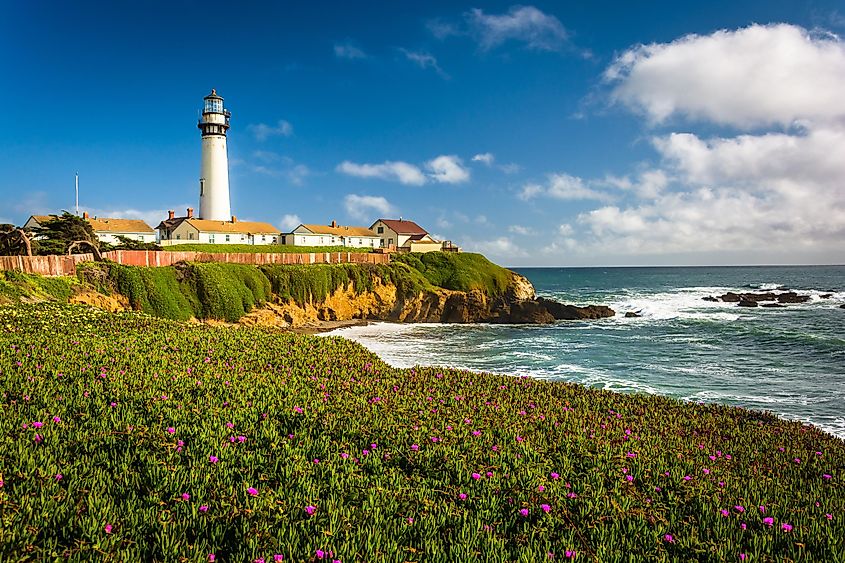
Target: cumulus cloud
<point x="399" y="171"/>
<point x="423" y="60"/>
<point x="349" y="51"/>
<point x="485" y="158"/>
<point x="262" y="131"/>
<point x="565" y="230"/>
<point x="447" y="169"/>
<point x="760" y="75"/>
<point x="521" y="230"/>
<point x="648" y="184"/>
<point x="524" y="24"/>
<point x="501" y="250"/>
<point x="562" y="186"/>
<point x="363" y="207"/>
<point x="290" y="221"/>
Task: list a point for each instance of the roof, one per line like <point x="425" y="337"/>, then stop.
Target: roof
<point x="170" y="224"/>
<point x="403" y="227"/>
<point x="340" y="230"/>
<point x="105" y="224"/>
<point x="253" y="227"/>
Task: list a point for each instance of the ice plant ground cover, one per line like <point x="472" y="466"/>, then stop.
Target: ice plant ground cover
<point x="129" y="438"/>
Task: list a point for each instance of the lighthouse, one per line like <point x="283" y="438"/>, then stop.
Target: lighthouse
<point x="214" y="170"/>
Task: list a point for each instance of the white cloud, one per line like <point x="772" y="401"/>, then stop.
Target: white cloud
<point x="290" y="221"/>
<point x="402" y="172"/>
<point x="362" y="207"/>
<point x="521" y="230"/>
<point x="565" y="230"/>
<point x="510" y="168"/>
<point x="424" y="60"/>
<point x="525" y="24"/>
<point x="501" y="250"/>
<point x="648" y="184"/>
<point x="262" y="131"/>
<point x="755" y="76"/>
<point x="448" y="169"/>
<point x="486" y="158"/>
<point x="564" y="187"/>
<point x="349" y="51"/>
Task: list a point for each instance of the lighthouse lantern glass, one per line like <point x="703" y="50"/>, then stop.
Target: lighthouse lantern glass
<point x="214" y="105"/>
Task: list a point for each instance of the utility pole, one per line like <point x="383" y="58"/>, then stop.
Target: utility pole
<point x="77" y="194"/>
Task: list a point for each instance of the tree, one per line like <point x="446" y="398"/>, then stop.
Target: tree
<point x="14" y="241"/>
<point x="65" y="233"/>
<point x="125" y="243"/>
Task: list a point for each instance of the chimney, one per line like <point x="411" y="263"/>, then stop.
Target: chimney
<point x="190" y="213"/>
<point x="234" y="219"/>
<point x="170" y="214"/>
<point x="85" y="215"/>
<point x="334" y="223"/>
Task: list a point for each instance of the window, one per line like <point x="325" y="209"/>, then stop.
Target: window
<point x="303" y="240"/>
<point x="227" y="238"/>
<point x="389" y="241"/>
<point x="211" y="239"/>
<point x="262" y="238"/>
<point x="380" y="230"/>
<point x="178" y="237"/>
<point x="202" y="186"/>
<point x="190" y="236"/>
<point x="274" y="240"/>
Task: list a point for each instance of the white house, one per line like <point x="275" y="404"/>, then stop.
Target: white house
<point x="332" y="235"/>
<point x="190" y="230"/>
<point x="407" y="236"/>
<point x="107" y="229"/>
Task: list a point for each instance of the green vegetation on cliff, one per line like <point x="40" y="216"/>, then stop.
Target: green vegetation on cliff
<point x="256" y="248"/>
<point x="18" y="286"/>
<point x="459" y="271"/>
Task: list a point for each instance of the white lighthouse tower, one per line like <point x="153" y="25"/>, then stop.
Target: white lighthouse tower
<point x="214" y="171"/>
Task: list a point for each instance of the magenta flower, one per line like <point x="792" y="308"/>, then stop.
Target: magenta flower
<point x="524" y="512"/>
<point x="56" y="419"/>
<point x="310" y="510"/>
<point x="410" y="520"/>
<point x="212" y="558"/>
<point x="829" y="516"/>
<point x="545" y="508"/>
<point x="786" y="527"/>
<point x="171" y="430"/>
<point x="687" y="477"/>
<point x="252" y="491"/>
<point x="725" y="512"/>
<point x="37" y="424"/>
<point x="320" y="554"/>
<point x="316" y="461"/>
<point x="278" y="557"/>
<point x="213" y="459"/>
<point x="569" y="553"/>
<point x="739" y="508"/>
<point x="476" y="476"/>
<point x="186" y="496"/>
<point x="520" y="439"/>
<point x="476" y="432"/>
<point x="541" y="488"/>
<point x="462" y="496"/>
<point x="742" y="556"/>
<point x="629" y="478"/>
<point x="489" y="474"/>
<point x="59" y="476"/>
<point x="415" y="447"/>
<point x="38" y="438"/>
<point x="554" y="475"/>
<point x="826" y="476"/>
<point x="769" y="521"/>
<point x="204" y="508"/>
<point x="669" y="538"/>
<point x="108" y="528"/>
<point x="344" y="455"/>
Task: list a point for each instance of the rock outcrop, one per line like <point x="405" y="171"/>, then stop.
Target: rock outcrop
<point x="386" y="302"/>
<point x="754" y="299"/>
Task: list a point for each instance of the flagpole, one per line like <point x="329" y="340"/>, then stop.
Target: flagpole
<point x="77" y="194"/>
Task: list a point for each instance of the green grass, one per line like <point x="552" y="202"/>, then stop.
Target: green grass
<point x="423" y="464"/>
<point x="250" y="248"/>
<point x="459" y="271"/>
<point x="18" y="286"/>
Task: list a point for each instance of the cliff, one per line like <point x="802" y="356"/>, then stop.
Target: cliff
<point x="436" y="287"/>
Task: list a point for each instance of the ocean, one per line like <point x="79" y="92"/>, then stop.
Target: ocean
<point x="789" y="361"/>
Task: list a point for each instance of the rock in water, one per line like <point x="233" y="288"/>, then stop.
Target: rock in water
<point x="632" y="314"/>
<point x="747" y="303"/>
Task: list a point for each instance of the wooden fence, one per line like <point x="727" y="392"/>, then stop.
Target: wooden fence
<point x="66" y="265"/>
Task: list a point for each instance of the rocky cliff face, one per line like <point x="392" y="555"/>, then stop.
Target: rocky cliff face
<point x="386" y="302"/>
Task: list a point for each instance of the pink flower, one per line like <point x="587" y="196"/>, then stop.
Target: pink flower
<point x="669" y="538"/>
<point x="569" y="554"/>
<point x="252" y="491"/>
<point x="59" y="476"/>
<point x="415" y="447"/>
<point x="344" y="455"/>
<point x="316" y="461"/>
<point x="108" y="528"/>
<point x="320" y="554"/>
<point x="541" y="488"/>
<point x="769" y="521"/>
<point x="687" y="478"/>
<point x="762" y="508"/>
<point x="37" y="424"/>
<point x="629" y="478"/>
<point x="739" y="508"/>
<point x="554" y="475"/>
<point x="211" y="558"/>
<point x="826" y="476"/>
<point x="462" y="496"/>
<point x="742" y="557"/>
<point x="829" y="516"/>
<point x="310" y="510"/>
<point x="524" y="512"/>
<point x="186" y="496"/>
<point x="213" y="459"/>
<point x="410" y="520"/>
<point x="520" y="439"/>
<point x="476" y="476"/>
<point x="786" y="527"/>
<point x="171" y="430"/>
<point x="545" y="508"/>
<point x="38" y="438"/>
<point x="489" y="474"/>
<point x="56" y="419"/>
<point x="725" y="513"/>
<point x="743" y="526"/>
<point x="203" y="508"/>
<point x="278" y="557"/>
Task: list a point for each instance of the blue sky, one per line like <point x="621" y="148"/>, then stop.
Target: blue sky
<point x="600" y="133"/>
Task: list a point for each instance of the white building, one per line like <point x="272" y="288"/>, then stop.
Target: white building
<point x="214" y="168"/>
<point x="107" y="229"/>
<point x="332" y="235"/>
<point x="191" y="230"/>
<point x="407" y="236"/>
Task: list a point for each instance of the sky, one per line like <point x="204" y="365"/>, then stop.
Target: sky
<point x="541" y="134"/>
